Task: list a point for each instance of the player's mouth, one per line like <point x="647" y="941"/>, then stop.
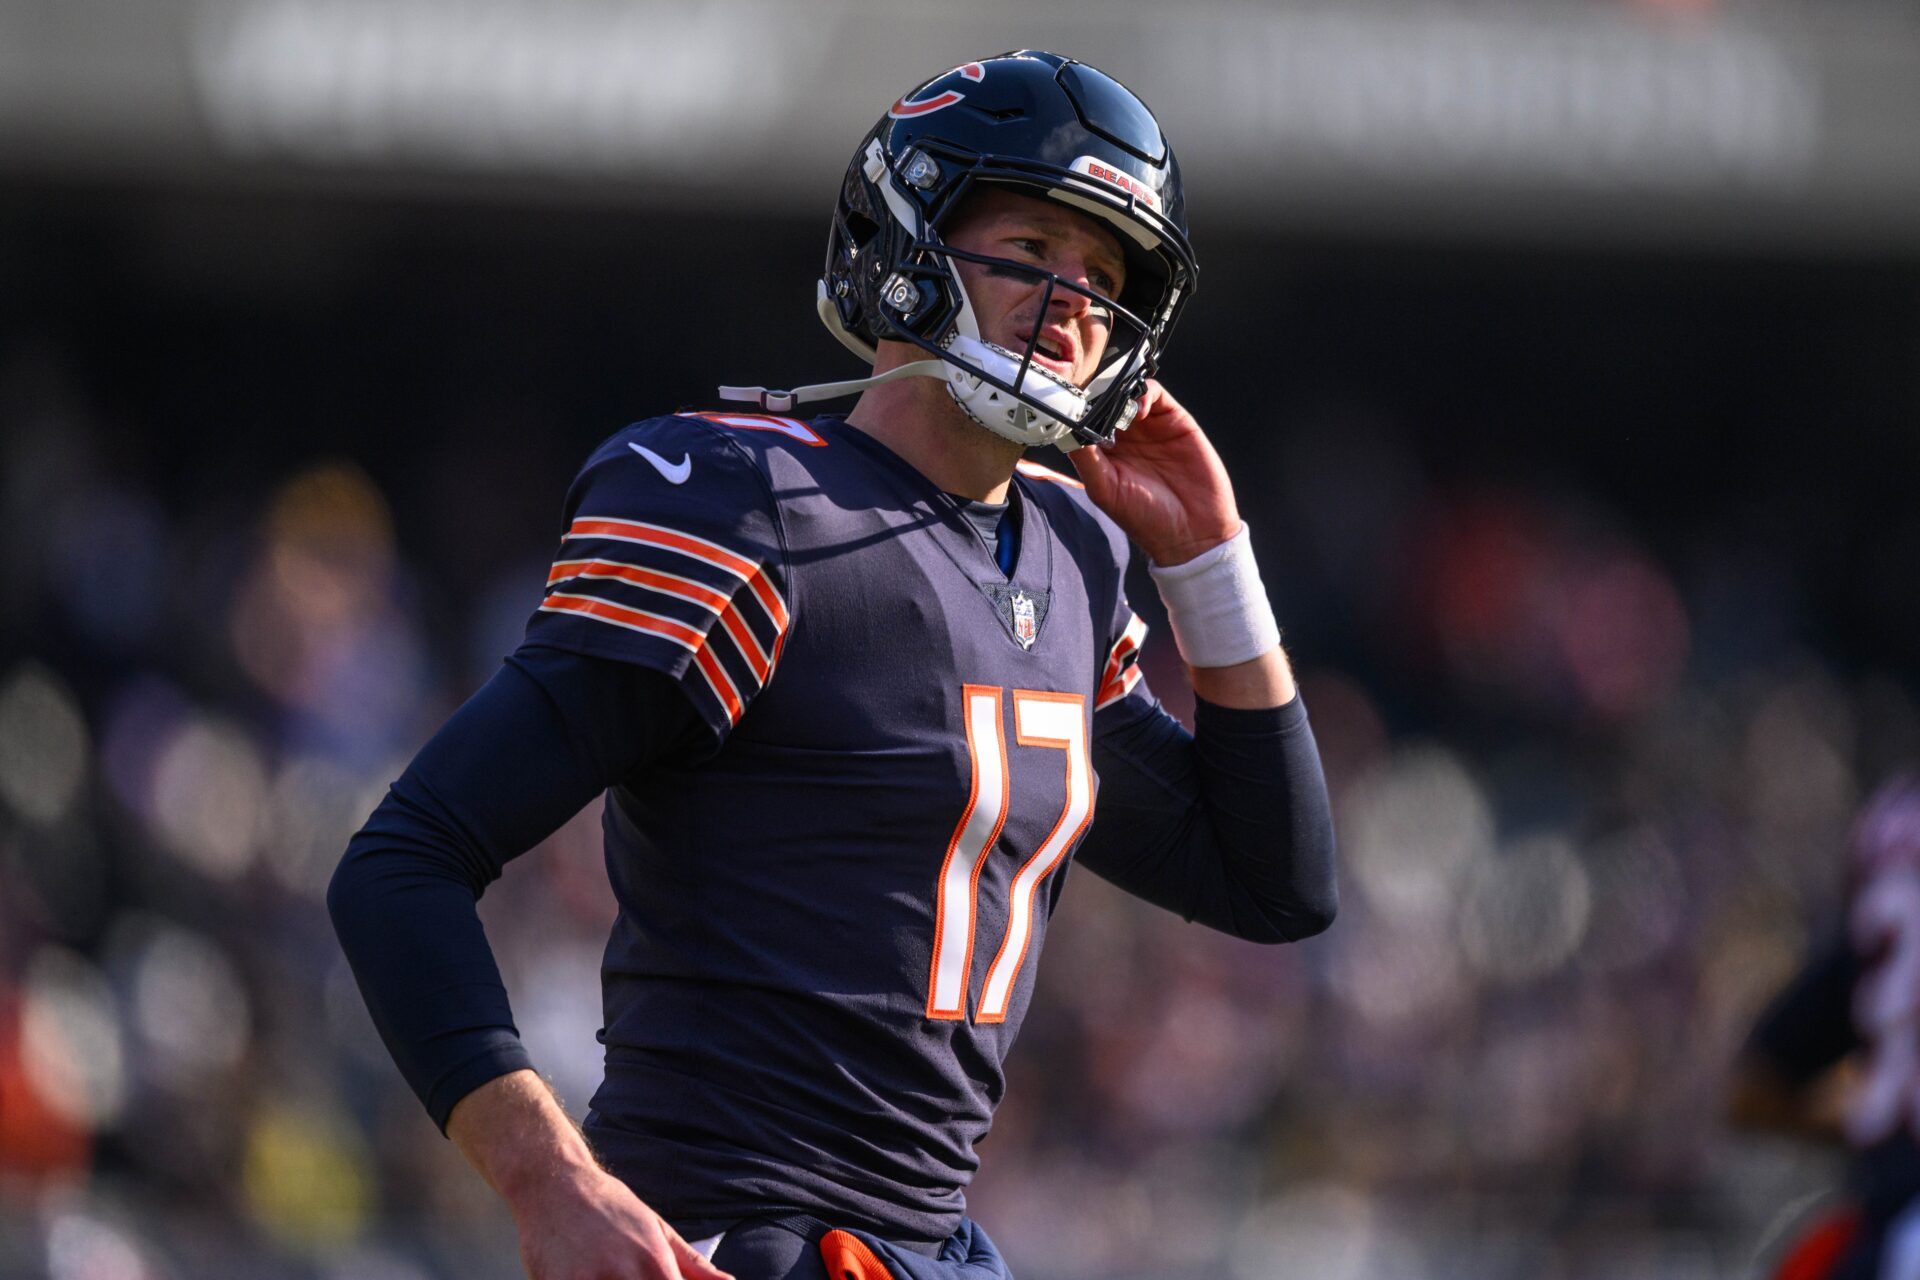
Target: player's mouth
<point x="1053" y="353"/>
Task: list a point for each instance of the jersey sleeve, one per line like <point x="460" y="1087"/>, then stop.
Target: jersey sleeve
<point x="1229" y="826"/>
<point x="1123" y="685"/>
<point x="671" y="558"/>
<point x="1122" y="676"/>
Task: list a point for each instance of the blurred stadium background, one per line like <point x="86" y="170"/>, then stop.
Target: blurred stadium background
<point x="1568" y="360"/>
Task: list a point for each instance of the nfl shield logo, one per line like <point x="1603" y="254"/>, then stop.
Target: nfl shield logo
<point x="1023" y="613"/>
<point x="1025" y="628"/>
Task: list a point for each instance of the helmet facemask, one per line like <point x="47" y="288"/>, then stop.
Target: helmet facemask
<point x="894" y="219"/>
<point x="1042" y="125"/>
<point x="1010" y="393"/>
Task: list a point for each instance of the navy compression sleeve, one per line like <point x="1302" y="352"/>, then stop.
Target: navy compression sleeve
<point x="540" y="740"/>
<point x="1231" y="828"/>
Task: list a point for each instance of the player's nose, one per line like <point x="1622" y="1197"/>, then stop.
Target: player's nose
<point x="1070" y="303"/>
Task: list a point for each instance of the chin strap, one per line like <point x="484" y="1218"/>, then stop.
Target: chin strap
<point x="774" y="401"/>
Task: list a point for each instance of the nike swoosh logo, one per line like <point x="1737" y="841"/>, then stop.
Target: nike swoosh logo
<point x="675" y="472"/>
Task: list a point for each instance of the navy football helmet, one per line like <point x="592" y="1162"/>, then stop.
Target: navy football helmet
<point x="1046" y="126"/>
<point x="1055" y="128"/>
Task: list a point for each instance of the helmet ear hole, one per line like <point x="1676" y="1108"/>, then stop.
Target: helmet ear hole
<point x="860" y="229"/>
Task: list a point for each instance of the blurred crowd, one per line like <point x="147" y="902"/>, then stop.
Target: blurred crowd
<point x="1591" y="802"/>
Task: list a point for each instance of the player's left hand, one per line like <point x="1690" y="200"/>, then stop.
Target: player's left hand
<point x="1162" y="482"/>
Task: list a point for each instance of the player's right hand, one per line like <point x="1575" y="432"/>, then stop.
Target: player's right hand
<point x="588" y="1225"/>
<point x="576" y="1221"/>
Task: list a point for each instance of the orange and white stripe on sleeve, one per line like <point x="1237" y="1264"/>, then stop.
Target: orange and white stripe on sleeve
<point x="1123" y="664"/>
<point x="723" y="608"/>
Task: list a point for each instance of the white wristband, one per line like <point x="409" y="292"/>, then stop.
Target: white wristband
<point x="1216" y="605"/>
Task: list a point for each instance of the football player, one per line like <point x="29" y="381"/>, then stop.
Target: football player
<point x="1857" y="1001"/>
<point x="857" y="689"/>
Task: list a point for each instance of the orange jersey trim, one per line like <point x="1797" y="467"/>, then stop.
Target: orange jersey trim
<point x="721" y="683"/>
<point x="657" y="536"/>
<point x="706" y="597"/>
<point x="688" y="545"/>
<point x="1114" y="690"/>
<point x="686" y="637"/>
<point x="1118" y="678"/>
<point x="1034" y="471"/>
<point x="744" y="641"/>
<point x="653" y="579"/>
<point x="620" y="615"/>
<point x="769" y="599"/>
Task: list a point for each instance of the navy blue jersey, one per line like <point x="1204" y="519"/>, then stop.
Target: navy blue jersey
<point x="830" y="913"/>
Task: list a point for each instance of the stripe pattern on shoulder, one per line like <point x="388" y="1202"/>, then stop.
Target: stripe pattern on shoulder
<point x="1123" y="665"/>
<point x="722" y="607"/>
